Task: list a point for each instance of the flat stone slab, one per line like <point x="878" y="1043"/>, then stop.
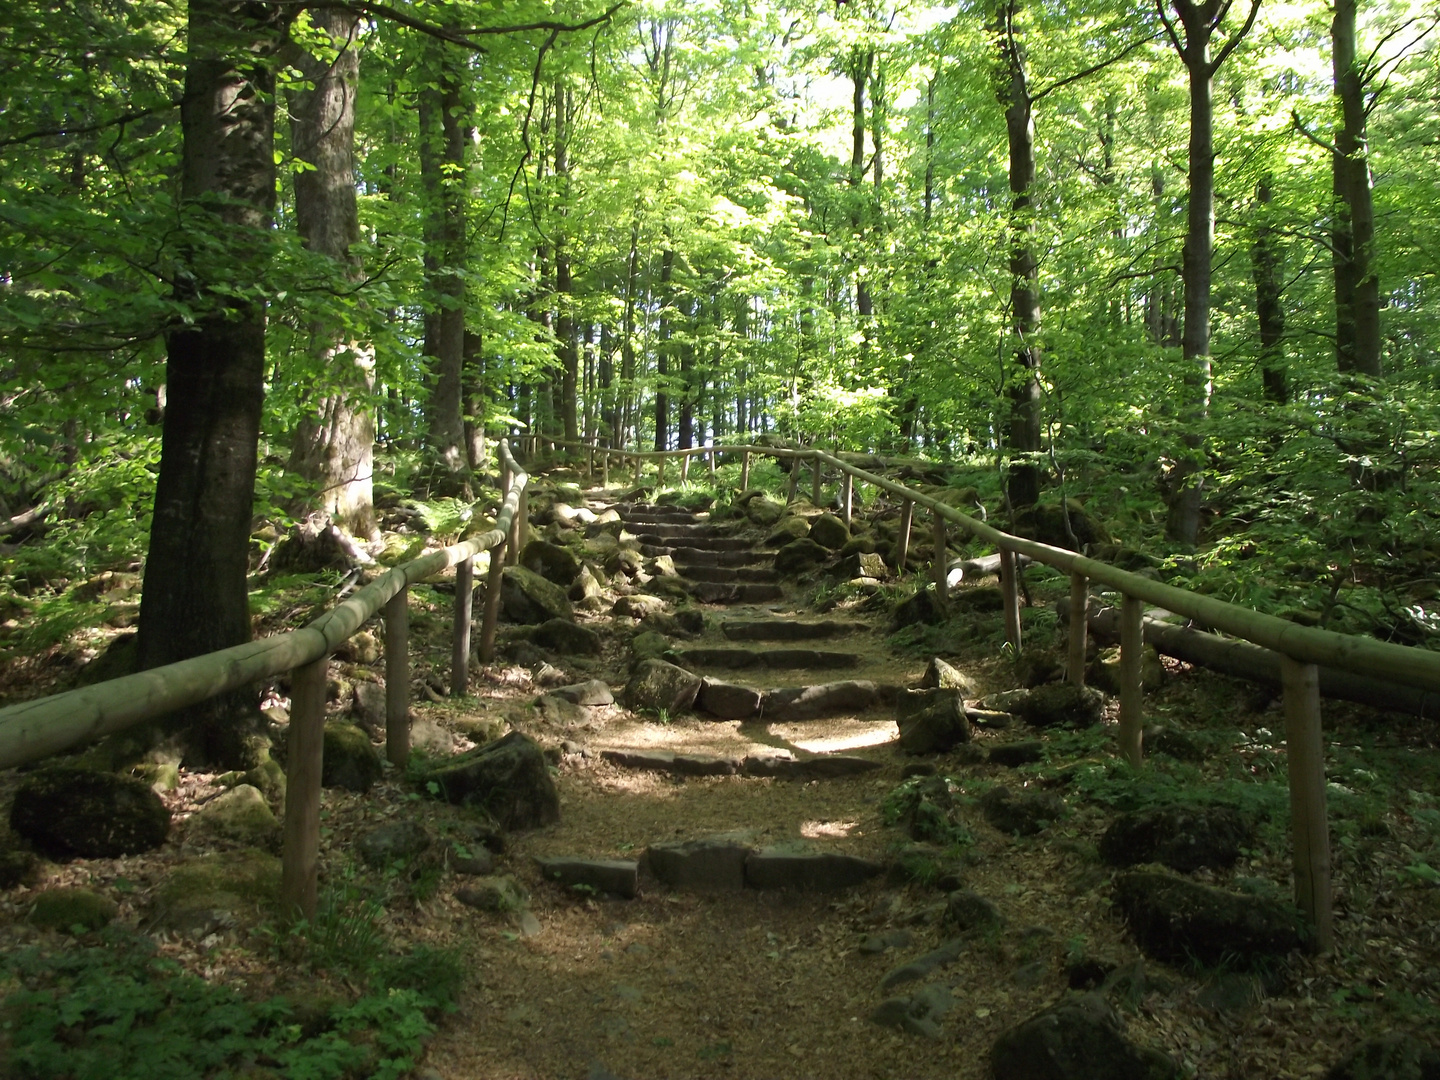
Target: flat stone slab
<point x="825" y="871"/>
<point x="779" y="659"/>
<point x="619" y="877"/>
<point x="593" y="693"/>
<point x="709" y="592"/>
<point x="825" y="767"/>
<point x="727" y="700"/>
<point x="921" y="966"/>
<point x="780" y="765"/>
<point x="710" y="864"/>
<point x="788" y="629"/>
<point x="728" y="574"/>
<point x="813" y="702"/>
<point x="670" y="762"/>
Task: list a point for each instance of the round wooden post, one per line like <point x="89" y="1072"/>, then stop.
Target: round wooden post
<point x="1132" y="699"/>
<point x="847" y="496"/>
<point x="815" y="483"/>
<point x="639" y="468"/>
<point x="460" y="632"/>
<point x="1309" y="830"/>
<point x="490" y="617"/>
<point x="684" y="467"/>
<point x="397" y="678"/>
<point x="902" y="544"/>
<point x="522" y="515"/>
<point x="512" y="545"/>
<point x="711" y="456"/>
<point x="744" y="470"/>
<point x="304" y="763"/>
<point x="941" y="571"/>
<point x="605" y="468"/>
<point x="590" y="463"/>
<point x="794" y="485"/>
<point x="660" y="472"/>
<point x="1079" y="616"/>
<point x="1010" y="597"/>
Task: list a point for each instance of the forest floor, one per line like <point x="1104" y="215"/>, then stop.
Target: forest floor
<point x="765" y="984"/>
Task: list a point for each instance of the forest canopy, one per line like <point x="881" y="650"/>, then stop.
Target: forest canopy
<point x="265" y="259"/>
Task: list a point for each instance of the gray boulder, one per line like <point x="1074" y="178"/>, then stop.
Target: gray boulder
<point x="942" y="676"/>
<point x="728" y="701"/>
<point x="66" y="812"/>
<point x="799" y="556"/>
<point x="1055" y="705"/>
<point x="918" y="1014"/>
<point x="593" y="693"/>
<point x="566" y="638"/>
<point x="526" y="597"/>
<point x="826" y="871"/>
<point x="763" y="512"/>
<point x="554" y="563"/>
<point x="242" y="813"/>
<point x="1181" y="921"/>
<point x="936" y="729"/>
<point x="787" y="530"/>
<point x="350" y="761"/>
<point x="966" y="910"/>
<point x="829" y="532"/>
<point x="1022" y="814"/>
<point x="920" y="608"/>
<point x="1078" y="1039"/>
<point x="1184" y="838"/>
<point x="639" y="606"/>
<point x="789" y="703"/>
<point x="508" y="778"/>
<point x="615" y="877"/>
<point x="657" y="685"/>
<point x="710" y="864"/>
<point x="398" y="841"/>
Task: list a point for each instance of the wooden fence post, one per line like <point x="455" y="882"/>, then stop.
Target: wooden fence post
<point x="902" y="544"/>
<point x="847" y="496"/>
<point x="744" y="470"/>
<point x="684" y="467"/>
<point x="1132" y="697"/>
<point x="522" y="515"/>
<point x="605" y="468"/>
<point x="397" y="678"/>
<point x="660" y="474"/>
<point x="1010" y="599"/>
<point x="1079" y="617"/>
<point x="490" y="617"/>
<point x="794" y="485"/>
<point x="815" y="483"/>
<point x="304" y="762"/>
<point x="712" y="464"/>
<point x="1309" y="830"/>
<point x="512" y="546"/>
<point x="941" y="570"/>
<point x="460" y="632"/>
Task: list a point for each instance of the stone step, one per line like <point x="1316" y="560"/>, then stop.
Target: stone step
<point x="727" y="863"/>
<point x="642" y="511"/>
<point x="728" y="574"/>
<point x="674" y="531"/>
<point x="777" y="765"/>
<point x="780" y="659"/>
<point x="710" y="592"/>
<point x="703" y="543"/>
<point x="688" y="556"/>
<point x="730" y="701"/>
<point x="787" y="629"/>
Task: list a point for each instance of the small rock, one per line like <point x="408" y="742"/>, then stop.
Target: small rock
<point x="586" y="587"/>
<point x="763" y="512"/>
<point x="829" y="531"/>
<point x="498" y="894"/>
<point x="526" y="597"/>
<point x="17" y="868"/>
<point x="968" y="911"/>
<point x="1078" y="1039"/>
<point x="1052" y="705"/>
<point x="1015" y="754"/>
<point x="918" y="1014"/>
<point x="350" y="761"/>
<point x="785" y="868"/>
<point x="474" y="860"/>
<point x="649" y="646"/>
<point x="591" y="694"/>
<point x="936" y="729"/>
<point x="1184" y="838"/>
<point x="710" y="864"/>
<point x="798" y="557"/>
<point x="727" y="700"/>
<point x="875" y="944"/>
<point x="509" y="778"/>
<point x="787" y="531"/>
<point x="922" y="966"/>
<point x="1104" y="671"/>
<point x="658" y="685"/>
<point x="430" y="738"/>
<point x="391" y="843"/>
<point x="1181" y="921"/>
<point x="554" y="563"/>
<point x="811" y="702"/>
<point x="367" y="705"/>
<point x="70" y="910"/>
<point x="527" y="924"/>
<point x="942" y="676"/>
<point x="920" y="608"/>
<point x="639" y="606"/>
<point x="664" y="566"/>
<point x="1037" y="668"/>
<point x="240" y="814"/>
<point x="566" y="638"/>
<point x="202" y="894"/>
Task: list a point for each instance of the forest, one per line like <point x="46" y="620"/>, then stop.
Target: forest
<point x="1163" y="275"/>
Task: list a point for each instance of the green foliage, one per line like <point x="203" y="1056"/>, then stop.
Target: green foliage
<point x="118" y="1010"/>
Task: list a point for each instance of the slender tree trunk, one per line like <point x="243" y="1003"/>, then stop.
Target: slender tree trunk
<point x="194" y="598"/>
<point x="1269" y="307"/>
<point x="1025" y="391"/>
<point x="564" y="285"/>
<point x="862" y="63"/>
<point x="1352" y="232"/>
<point x="442" y="165"/>
<point x="627" y="334"/>
<point x="334" y="444"/>
<point x="686" y="432"/>
<point x="662" y="351"/>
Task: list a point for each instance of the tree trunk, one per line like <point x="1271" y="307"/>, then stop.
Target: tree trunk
<point x="662" y="352"/>
<point x="627" y="336"/>
<point x="1025" y="391"/>
<point x="194" y="598"/>
<point x="334" y="444"/>
<point x="564" y="286"/>
<point x="1269" y="309"/>
<point x="1352" y="230"/>
<point x="442" y="166"/>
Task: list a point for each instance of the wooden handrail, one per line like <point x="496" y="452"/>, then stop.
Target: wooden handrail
<point x="33" y="730"/>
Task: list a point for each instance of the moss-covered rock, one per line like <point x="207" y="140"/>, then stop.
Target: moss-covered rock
<point x="70" y="910"/>
<point x="508" y="778"/>
<point x="66" y="812"/>
<point x="829" y="531"/>
<point x="526" y="597"/>
<point x="214" y="890"/>
<point x="18" y="867"/>
<point x="350" y="760"/>
<point x="240" y="814"/>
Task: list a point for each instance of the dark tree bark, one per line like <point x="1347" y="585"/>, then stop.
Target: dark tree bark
<point x="564" y="284"/>
<point x="194" y="599"/>
<point x="685" y="433"/>
<point x="1265" y="258"/>
<point x="627" y="337"/>
<point x="442" y="111"/>
<point x="1013" y="92"/>
<point x="334" y="444"/>
<point x="1352" y="229"/>
<point x="662" y="351"/>
<point x="862" y="64"/>
<point x="1199" y="24"/>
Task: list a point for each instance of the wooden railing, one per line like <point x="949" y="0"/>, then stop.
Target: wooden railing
<point x="37" y="729"/>
<point x="1301" y="650"/>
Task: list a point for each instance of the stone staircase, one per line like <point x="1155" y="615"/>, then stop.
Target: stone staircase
<point x="717" y="566"/>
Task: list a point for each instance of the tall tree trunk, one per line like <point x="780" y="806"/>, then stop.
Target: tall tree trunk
<point x="662" y="351"/>
<point x="685" y="436"/>
<point x="194" y="598"/>
<point x="1352" y="230"/>
<point x="1199" y="23"/>
<point x="443" y="122"/>
<point x="1265" y="258"/>
<point x="627" y="335"/>
<point x="1025" y="391"/>
<point x="862" y="63"/>
<point x="334" y="443"/>
<point x="564" y="285"/>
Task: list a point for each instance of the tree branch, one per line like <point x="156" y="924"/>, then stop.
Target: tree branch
<point x="86" y="129"/>
<point x="1235" y="39"/>
<point x="1094" y="69"/>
